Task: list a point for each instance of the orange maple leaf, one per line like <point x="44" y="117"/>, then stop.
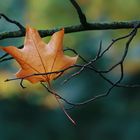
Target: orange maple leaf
<point x="38" y="57"/>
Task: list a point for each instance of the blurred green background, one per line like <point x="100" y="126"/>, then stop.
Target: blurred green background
<point x="33" y="114"/>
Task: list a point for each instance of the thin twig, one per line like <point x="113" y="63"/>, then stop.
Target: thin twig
<point x="100" y="55"/>
<point x="60" y="97"/>
<point x="21" y="27"/>
<point x="4" y="57"/>
<point x="60" y="104"/>
<point x="48" y="73"/>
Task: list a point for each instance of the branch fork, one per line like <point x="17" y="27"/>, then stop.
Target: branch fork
<point x="86" y="64"/>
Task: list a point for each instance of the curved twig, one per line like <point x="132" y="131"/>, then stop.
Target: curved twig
<point x="21" y="27"/>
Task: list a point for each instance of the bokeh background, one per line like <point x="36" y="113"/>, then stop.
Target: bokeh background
<point x="33" y="114"/>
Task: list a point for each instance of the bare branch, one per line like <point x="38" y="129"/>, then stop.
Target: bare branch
<point x="6" y="59"/>
<point x="83" y="26"/>
<point x="37" y="74"/>
<point x="75" y="28"/>
<point x="99" y="55"/>
<point x="21" y="27"/>
<point x="3" y="57"/>
<point x="81" y="15"/>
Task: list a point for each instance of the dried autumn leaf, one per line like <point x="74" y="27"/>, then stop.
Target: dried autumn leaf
<point x="38" y="57"/>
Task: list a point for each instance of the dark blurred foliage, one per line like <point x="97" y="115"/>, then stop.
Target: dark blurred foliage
<point x="31" y="115"/>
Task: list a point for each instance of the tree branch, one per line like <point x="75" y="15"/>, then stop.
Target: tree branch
<point x="21" y="27"/>
<point x="81" y="15"/>
<point x="76" y="28"/>
<point x="83" y="26"/>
